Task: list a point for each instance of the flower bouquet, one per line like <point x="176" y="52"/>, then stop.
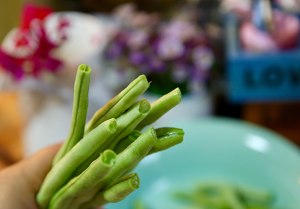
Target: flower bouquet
<point x="172" y="52"/>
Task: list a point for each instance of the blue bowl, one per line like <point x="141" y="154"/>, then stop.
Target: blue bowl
<point x="217" y="149"/>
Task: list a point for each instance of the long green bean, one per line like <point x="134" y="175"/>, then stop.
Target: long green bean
<point x="115" y="193"/>
<point x="130" y="122"/>
<point x="126" y="141"/>
<point x="63" y="199"/>
<point x="120" y="103"/>
<point x="126" y="123"/>
<point x="87" y="171"/>
<point x="126" y="161"/>
<point x="161" y="106"/>
<point x="80" y="107"/>
<point x="64" y="169"/>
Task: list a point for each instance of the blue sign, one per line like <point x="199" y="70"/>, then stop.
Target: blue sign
<point x="264" y="77"/>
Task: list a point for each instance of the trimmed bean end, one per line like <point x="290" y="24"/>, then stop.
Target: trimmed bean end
<point x="135" y="182"/>
<point x="153" y="133"/>
<point x="85" y="68"/>
<point x="177" y="94"/>
<point x="112" y="125"/>
<point x="145" y="106"/>
<point x="109" y="157"/>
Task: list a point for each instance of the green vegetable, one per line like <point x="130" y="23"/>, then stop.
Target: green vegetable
<point x="80" y="106"/>
<point x="63" y="170"/>
<point x="126" y="141"/>
<point x="115" y="193"/>
<point x="120" y="103"/>
<point x="220" y="195"/>
<point x="82" y="183"/>
<point x="126" y="123"/>
<point x="93" y="166"/>
<point x="161" y="107"/>
<point x="125" y="162"/>
<point x="167" y="137"/>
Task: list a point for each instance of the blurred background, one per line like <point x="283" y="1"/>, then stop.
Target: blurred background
<point x="232" y="58"/>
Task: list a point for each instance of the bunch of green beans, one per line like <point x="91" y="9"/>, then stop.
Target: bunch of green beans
<point x="220" y="195"/>
<point x="96" y="162"/>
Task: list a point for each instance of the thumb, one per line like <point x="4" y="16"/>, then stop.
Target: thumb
<point x="38" y="165"/>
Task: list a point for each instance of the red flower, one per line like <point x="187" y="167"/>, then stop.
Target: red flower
<point x="31" y="12"/>
<point x="31" y="50"/>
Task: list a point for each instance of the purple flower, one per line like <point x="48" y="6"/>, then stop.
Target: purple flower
<point x="203" y="58"/>
<point x="137" y="58"/>
<point x="180" y="29"/>
<point x="113" y="51"/>
<point x="156" y="64"/>
<point x="138" y="39"/>
<point x="172" y="51"/>
<point x="170" y="48"/>
<point x="198" y="74"/>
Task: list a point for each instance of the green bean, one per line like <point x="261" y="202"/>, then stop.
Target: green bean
<point x="64" y="169"/>
<point x="253" y="195"/>
<point x="131" y="156"/>
<point x="87" y="171"/>
<point x="161" y="107"/>
<point x="126" y="123"/>
<point x="121" y="190"/>
<point x="125" y="142"/>
<point x="120" y="103"/>
<point x="126" y="161"/>
<point x="138" y="204"/>
<point x="167" y="137"/>
<point x="231" y="198"/>
<point x="63" y="199"/>
<point x="131" y="119"/>
<point x="80" y="106"/>
<point x="115" y="193"/>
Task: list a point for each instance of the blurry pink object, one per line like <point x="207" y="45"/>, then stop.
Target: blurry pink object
<point x="286" y="30"/>
<point x="284" y="34"/>
<point x="255" y="40"/>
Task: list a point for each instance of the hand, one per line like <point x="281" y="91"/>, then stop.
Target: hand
<point x="20" y="183"/>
